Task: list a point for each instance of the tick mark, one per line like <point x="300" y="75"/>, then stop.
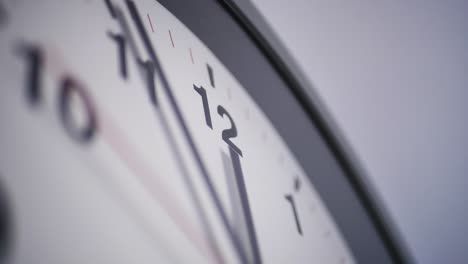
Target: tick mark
<point x="297" y="184"/>
<point x="172" y="41"/>
<point x="210" y="74"/>
<point x="191" y="55"/>
<point x="151" y="24"/>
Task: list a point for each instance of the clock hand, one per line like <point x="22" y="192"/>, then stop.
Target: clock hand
<point x="165" y="85"/>
<point x="117" y="141"/>
<point x="240" y="198"/>
<point x="148" y="71"/>
<point x="141" y="169"/>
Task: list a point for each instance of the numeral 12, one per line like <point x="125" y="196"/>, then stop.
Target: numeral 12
<point x="227" y="134"/>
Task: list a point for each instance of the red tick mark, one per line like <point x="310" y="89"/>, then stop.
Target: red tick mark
<point x="172" y="41"/>
<point x="151" y="24"/>
<point x="191" y="56"/>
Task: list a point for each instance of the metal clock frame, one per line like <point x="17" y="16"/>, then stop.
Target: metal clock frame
<point x="205" y="18"/>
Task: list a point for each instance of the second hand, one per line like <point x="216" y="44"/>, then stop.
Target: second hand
<point x="165" y="84"/>
<point x="133" y="160"/>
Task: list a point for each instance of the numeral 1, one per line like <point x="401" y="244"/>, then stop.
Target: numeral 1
<point x="290" y="199"/>
<point x="206" y="107"/>
<point x="34" y="59"/>
<point x="121" y="49"/>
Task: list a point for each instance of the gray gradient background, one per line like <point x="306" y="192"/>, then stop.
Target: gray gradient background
<point x="394" y="75"/>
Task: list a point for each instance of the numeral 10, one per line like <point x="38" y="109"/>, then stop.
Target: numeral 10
<point x="68" y="87"/>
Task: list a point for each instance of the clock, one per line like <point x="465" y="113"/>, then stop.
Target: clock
<point x="143" y="131"/>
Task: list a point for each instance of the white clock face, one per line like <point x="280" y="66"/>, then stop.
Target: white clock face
<point x="125" y="140"/>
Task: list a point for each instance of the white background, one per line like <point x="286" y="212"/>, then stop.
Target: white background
<point x="395" y="77"/>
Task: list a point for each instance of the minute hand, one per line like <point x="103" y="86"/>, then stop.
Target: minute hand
<point x="180" y="119"/>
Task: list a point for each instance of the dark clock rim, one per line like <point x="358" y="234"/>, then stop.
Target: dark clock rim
<point x="239" y="37"/>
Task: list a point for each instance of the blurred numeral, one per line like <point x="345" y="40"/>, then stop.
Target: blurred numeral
<point x="231" y="132"/>
<point x="121" y="52"/>
<point x="68" y="89"/>
<point x="206" y="108"/>
<point x="34" y="68"/>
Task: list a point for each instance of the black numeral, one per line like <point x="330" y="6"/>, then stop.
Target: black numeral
<point x="290" y="199"/>
<point x="206" y="108"/>
<point x="230" y="132"/>
<point x="34" y="59"/>
<point x="122" y="53"/>
<point x="68" y="87"/>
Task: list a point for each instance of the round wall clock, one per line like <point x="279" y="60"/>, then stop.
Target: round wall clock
<point x="170" y="131"/>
